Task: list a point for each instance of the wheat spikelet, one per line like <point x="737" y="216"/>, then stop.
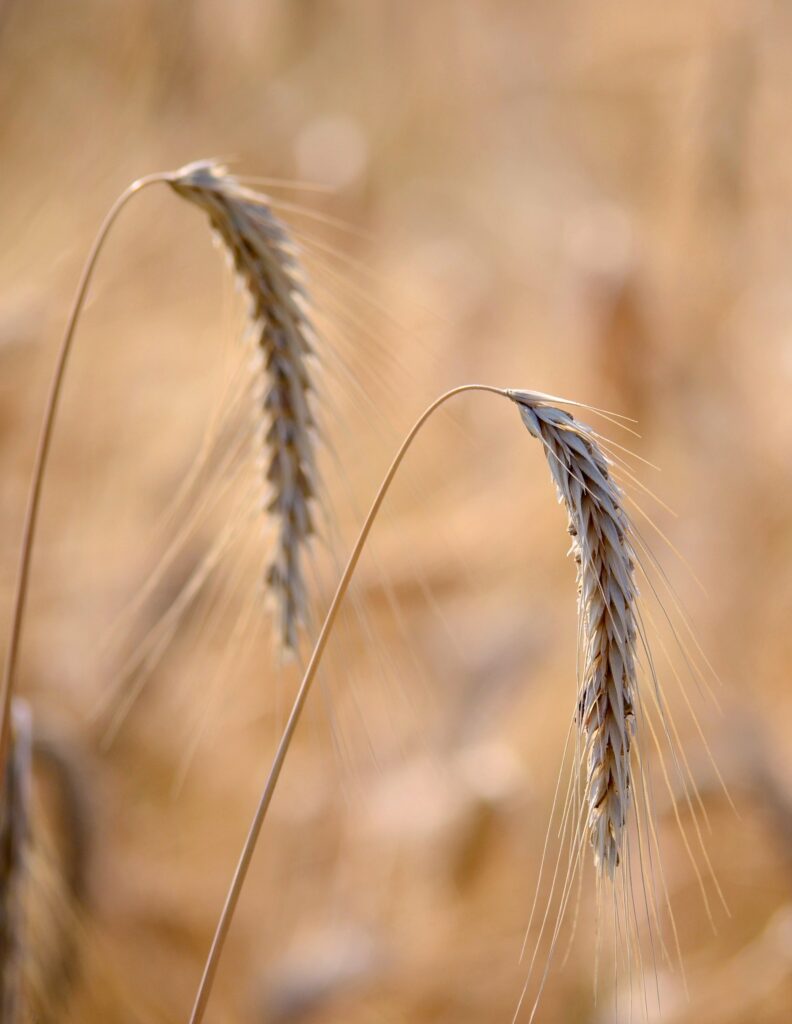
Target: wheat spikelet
<point x="607" y="595"/>
<point x="264" y="256"/>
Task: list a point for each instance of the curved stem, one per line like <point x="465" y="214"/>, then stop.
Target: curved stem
<point x="232" y="898"/>
<point x="42" y="453"/>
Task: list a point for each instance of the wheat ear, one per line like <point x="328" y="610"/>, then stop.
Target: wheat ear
<point x="600" y="532"/>
<point x="264" y="256"/>
<point x="14" y="834"/>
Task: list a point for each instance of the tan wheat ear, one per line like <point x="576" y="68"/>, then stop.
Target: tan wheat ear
<point x="265" y="257"/>
<point x="600" y="532"/>
<point x="14" y="832"/>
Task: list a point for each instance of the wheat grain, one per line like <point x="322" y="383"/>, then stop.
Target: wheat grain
<point x="603" y="551"/>
<point x="265" y="257"/>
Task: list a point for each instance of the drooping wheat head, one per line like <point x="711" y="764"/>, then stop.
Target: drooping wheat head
<point x="266" y="260"/>
<point x="603" y="551"/>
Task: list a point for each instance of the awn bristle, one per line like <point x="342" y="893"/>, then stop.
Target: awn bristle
<point x="600" y="532"/>
<point x="264" y="256"/>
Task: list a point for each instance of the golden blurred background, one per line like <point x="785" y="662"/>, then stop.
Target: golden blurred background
<point x="592" y="199"/>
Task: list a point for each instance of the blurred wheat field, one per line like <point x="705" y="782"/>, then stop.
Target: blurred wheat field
<point x="586" y="199"/>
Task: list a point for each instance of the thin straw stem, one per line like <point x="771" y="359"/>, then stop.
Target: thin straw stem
<point x="40" y="465"/>
<point x="232" y="898"/>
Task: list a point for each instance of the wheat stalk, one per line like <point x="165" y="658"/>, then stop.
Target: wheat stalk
<point x="600" y="532"/>
<point x="607" y="598"/>
<point x="264" y="256"/>
<point x="261" y="250"/>
<point x="42" y="460"/>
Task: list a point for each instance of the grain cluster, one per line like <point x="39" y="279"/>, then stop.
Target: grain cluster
<point x="265" y="258"/>
<point x="603" y="551"/>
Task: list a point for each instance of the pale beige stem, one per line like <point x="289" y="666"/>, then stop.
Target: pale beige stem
<point x="40" y="465"/>
<point x="232" y="898"/>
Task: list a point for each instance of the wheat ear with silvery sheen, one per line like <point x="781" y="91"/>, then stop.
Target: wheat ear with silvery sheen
<point x="265" y="257"/>
<point x="603" y="551"/>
